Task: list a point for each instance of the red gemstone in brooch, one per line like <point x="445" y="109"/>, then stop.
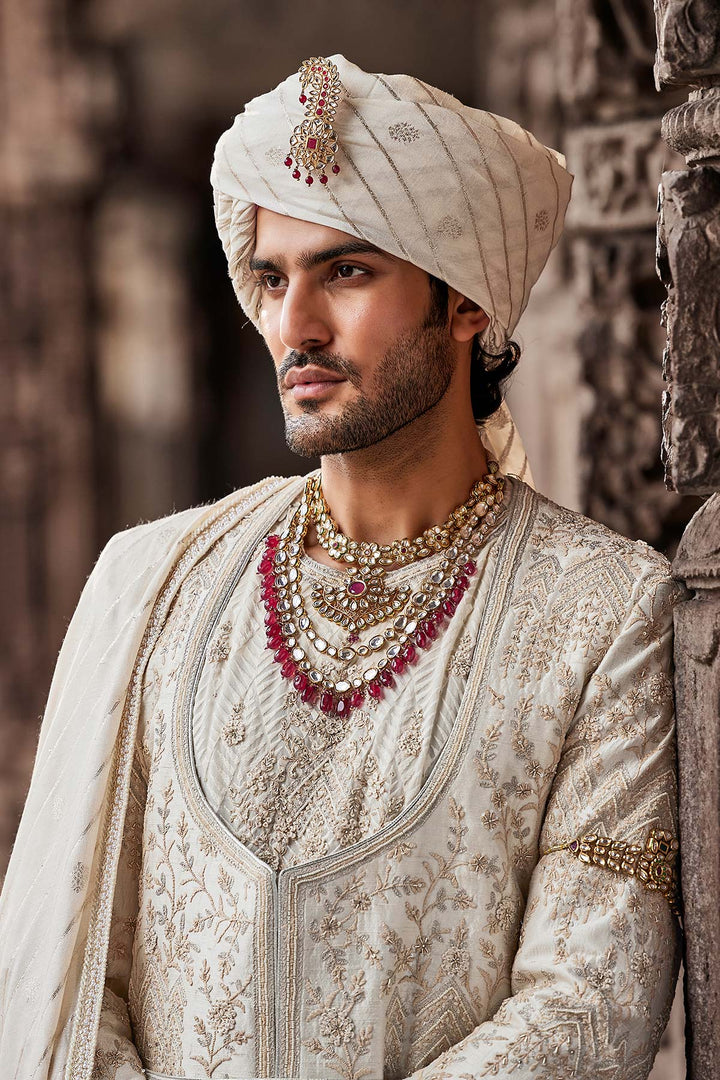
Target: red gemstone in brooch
<point x="313" y="143"/>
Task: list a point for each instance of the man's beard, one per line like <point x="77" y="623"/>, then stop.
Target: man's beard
<point x="411" y="379"/>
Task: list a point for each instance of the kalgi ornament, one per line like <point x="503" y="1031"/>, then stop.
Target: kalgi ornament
<point x="313" y="143"/>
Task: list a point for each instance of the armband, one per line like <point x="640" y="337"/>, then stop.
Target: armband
<point x="652" y="864"/>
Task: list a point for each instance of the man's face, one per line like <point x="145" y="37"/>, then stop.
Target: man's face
<point x="360" y="350"/>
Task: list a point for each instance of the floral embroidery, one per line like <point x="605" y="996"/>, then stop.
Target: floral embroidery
<point x="427" y="955"/>
<point x="403" y="132"/>
<point x="183" y="902"/>
<point x="233" y="731"/>
<point x="410" y="739"/>
<point x="220" y="648"/>
<point x="542" y="220"/>
<point x="340" y="1045"/>
<point x="273" y="813"/>
<point x="275" y="155"/>
<point x="454" y="961"/>
<point x="219" y="1033"/>
<point x="462" y="657"/>
<point x="107" y="1062"/>
<point x="115" y="1047"/>
<point x="450" y="227"/>
<point x="78" y="877"/>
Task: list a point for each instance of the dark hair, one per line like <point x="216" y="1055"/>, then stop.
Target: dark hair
<point x="488" y="371"/>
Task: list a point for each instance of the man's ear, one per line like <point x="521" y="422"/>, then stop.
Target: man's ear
<point x="466" y="317"/>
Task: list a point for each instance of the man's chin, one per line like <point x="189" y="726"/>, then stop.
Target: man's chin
<point x="303" y="440"/>
<point x="314" y="448"/>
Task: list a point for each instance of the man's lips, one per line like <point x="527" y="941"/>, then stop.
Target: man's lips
<point x="309" y="382"/>
<point x="297" y="376"/>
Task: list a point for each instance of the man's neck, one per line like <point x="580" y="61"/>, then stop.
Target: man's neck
<point x="407" y="483"/>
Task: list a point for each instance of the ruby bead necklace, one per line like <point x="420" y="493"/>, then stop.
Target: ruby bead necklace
<point x="391" y="652"/>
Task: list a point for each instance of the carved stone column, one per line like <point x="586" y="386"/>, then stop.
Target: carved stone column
<point x="688" y="260"/>
<point x="613" y="145"/>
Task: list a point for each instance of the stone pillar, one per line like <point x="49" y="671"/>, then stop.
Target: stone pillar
<point x="613" y="145"/>
<point x="688" y="261"/>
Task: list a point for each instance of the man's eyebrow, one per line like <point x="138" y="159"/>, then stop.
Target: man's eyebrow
<point x="309" y="259"/>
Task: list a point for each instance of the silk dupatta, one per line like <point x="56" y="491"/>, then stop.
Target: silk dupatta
<point x="57" y="898"/>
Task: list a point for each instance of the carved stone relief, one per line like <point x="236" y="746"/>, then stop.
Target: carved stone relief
<point x="616" y="174"/>
<point x="689" y="265"/>
<point x="605" y="58"/>
<point x="688" y="262"/>
<point x="693" y="128"/>
<point x="620" y="345"/>
<point x="688" y="41"/>
<point x="614" y="147"/>
<point x="697" y="684"/>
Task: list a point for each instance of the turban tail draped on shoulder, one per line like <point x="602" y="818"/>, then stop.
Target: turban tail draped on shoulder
<point x="468" y="196"/>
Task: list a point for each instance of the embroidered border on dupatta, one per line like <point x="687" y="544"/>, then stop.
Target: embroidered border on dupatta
<point x="81" y="1056"/>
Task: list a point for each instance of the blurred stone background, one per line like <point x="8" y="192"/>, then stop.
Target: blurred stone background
<point x="130" y="384"/>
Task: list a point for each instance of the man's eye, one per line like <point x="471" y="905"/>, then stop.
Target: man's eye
<point x="345" y="270"/>
<point x="270" y="281"/>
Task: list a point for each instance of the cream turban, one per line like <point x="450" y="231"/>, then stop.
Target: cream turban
<point x="469" y="196"/>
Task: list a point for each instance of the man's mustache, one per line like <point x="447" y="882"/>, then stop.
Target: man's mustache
<point x="329" y="361"/>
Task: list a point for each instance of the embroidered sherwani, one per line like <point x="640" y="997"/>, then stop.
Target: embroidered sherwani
<point x="398" y="897"/>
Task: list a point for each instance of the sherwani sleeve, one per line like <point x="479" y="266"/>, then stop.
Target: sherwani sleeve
<point x="594" y="973"/>
<point x="116" y="1057"/>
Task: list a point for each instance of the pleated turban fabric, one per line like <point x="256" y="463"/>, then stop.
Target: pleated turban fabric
<point x="468" y="196"/>
<point x="471" y="197"/>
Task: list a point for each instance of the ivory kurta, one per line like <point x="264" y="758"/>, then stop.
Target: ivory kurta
<point x="444" y="943"/>
<point x="436" y="941"/>
<point x="290" y="782"/>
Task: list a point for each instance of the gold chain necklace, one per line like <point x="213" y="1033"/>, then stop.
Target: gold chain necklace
<point x="364" y="599"/>
<point x="390" y="652"/>
<point x="400" y="552"/>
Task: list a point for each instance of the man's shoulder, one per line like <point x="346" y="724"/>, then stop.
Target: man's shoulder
<point x="579" y="545"/>
<point x="153" y="539"/>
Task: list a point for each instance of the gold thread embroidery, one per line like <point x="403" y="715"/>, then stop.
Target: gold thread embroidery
<point x="233" y="730"/>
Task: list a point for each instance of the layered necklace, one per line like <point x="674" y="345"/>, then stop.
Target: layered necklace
<point x="384" y="627"/>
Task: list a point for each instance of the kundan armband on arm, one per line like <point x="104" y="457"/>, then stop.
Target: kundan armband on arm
<point x="653" y="863"/>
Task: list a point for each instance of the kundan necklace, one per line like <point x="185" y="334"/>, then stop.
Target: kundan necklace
<point x="364" y="600"/>
<point x="364" y="595"/>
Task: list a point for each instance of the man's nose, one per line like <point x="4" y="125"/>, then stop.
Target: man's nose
<point x="304" y="321"/>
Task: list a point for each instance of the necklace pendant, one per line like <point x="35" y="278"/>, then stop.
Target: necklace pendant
<point x="358" y="601"/>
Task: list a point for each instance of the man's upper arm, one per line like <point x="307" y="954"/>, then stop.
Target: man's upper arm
<point x="595" y="970"/>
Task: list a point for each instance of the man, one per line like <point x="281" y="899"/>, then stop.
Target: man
<point x="367" y="773"/>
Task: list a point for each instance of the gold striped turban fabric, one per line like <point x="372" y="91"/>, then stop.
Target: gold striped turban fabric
<point x="468" y="196"/>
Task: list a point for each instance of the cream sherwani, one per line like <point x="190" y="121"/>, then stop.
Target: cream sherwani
<point x="419" y="925"/>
